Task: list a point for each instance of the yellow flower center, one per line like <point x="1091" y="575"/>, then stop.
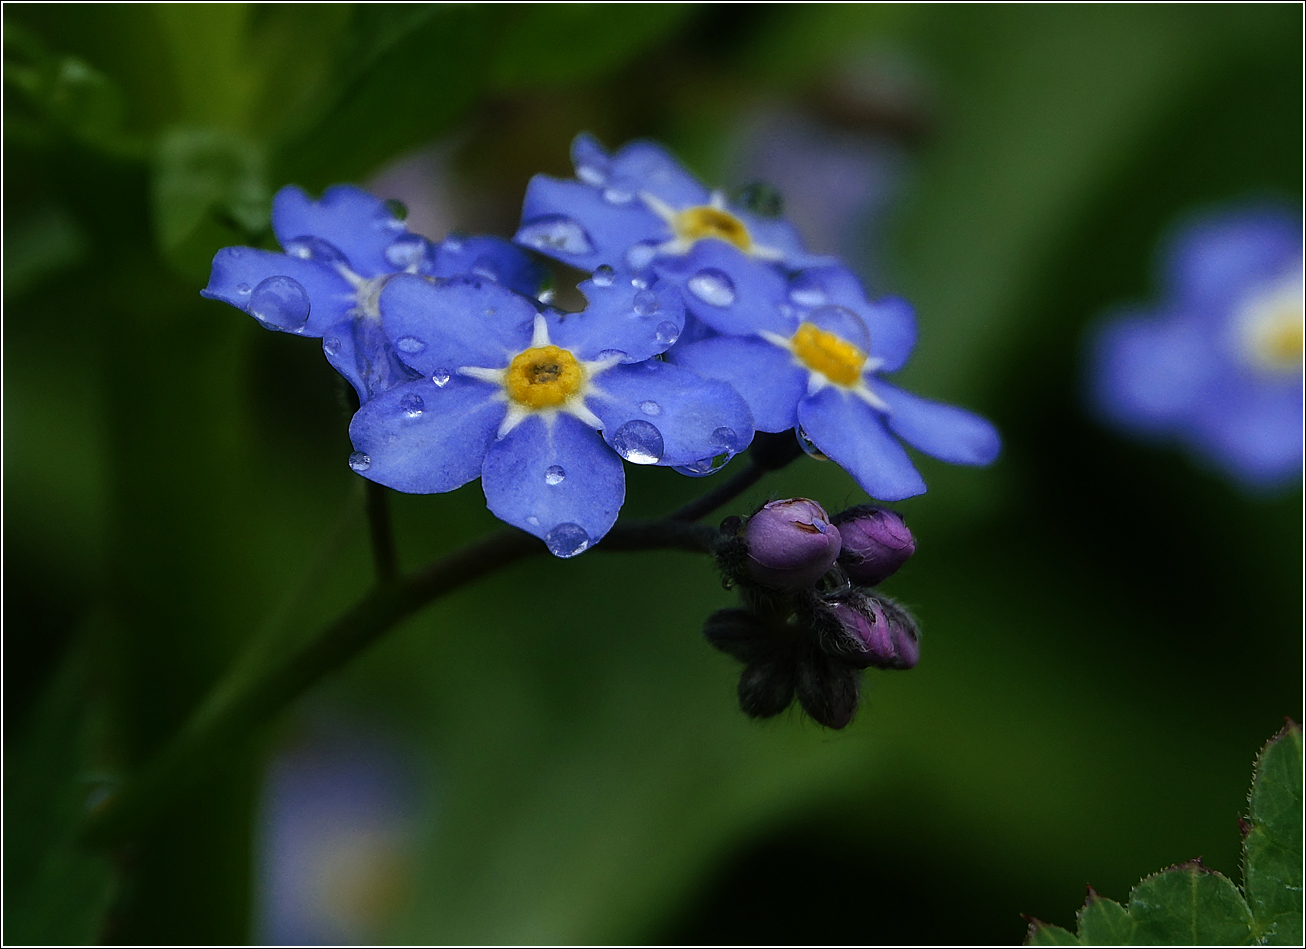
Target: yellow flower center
<point x="836" y="359"/>
<point x="1271" y="325"/>
<point x="1279" y="341"/>
<point x="702" y="221"/>
<point x="543" y="377"/>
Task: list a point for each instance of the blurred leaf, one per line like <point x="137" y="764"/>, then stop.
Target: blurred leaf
<point x="43" y="242"/>
<point x="1045" y="934"/>
<point x="1272" y="847"/>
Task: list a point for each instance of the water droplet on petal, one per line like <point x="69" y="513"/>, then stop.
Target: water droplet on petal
<point x="554" y="474"/>
<point x="617" y="196"/>
<point x="806" y="292"/>
<point x="667" y="332"/>
<point x="280" y="302"/>
<point x="546" y="296"/>
<point x="725" y="439"/>
<point x="331" y="345"/>
<point x="242" y="288"/>
<point x="452" y="244"/>
<point x="713" y="287"/>
<point x="612" y="354"/>
<point x="314" y="248"/>
<point x="533" y="521"/>
<point x="410" y="345"/>
<point x="639" y="282"/>
<point x="398" y="210"/>
<point x="646" y="303"/>
<point x="441" y="377"/>
<point x="567" y="540"/>
<point x="410" y="250"/>
<point x="590" y="175"/>
<point x="842" y="322"/>
<point x="650" y="408"/>
<point x="359" y="461"/>
<point x="603" y="276"/>
<point x="640" y="256"/>
<point x="705" y="466"/>
<point x="412" y="405"/>
<point x="639" y="442"/>
<point x="556" y="232"/>
<point x="809" y="446"/>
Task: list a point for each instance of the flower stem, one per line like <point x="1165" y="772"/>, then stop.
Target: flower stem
<point x="384" y="557"/>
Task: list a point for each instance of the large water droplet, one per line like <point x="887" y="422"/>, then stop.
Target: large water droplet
<point x="359" y="461"/>
<point x="410" y="345"/>
<point x="410" y="250"/>
<point x="639" y="442"/>
<point x="667" y="332"/>
<point x="842" y="322"/>
<point x="725" y="439"/>
<point x="646" y="303"/>
<point x="613" y="354"/>
<point x="617" y="196"/>
<point x="640" y="256"/>
<point x="412" y="405"/>
<point x="280" y="302"/>
<point x="555" y="232"/>
<point x="441" y="377"/>
<point x="567" y="540"/>
<point x="330" y="345"/>
<point x="713" y="287"/>
<point x="705" y="466"/>
<point x="590" y="175"/>
<point x="554" y="474"/>
<point x="650" y="408"/>
<point x="809" y="446"/>
<point x="806" y="292"/>
<point x="314" y="248"/>
<point x="603" y="276"/>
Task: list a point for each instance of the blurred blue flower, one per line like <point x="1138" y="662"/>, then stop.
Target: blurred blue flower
<point x="339" y="253"/>
<point x="813" y="362"/>
<point x="526" y="400"/>
<point x="1218" y="364"/>
<point x="640" y="209"/>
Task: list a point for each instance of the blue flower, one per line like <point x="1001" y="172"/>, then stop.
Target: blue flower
<point x="542" y="406"/>
<point x="640" y="209"/>
<point x="814" y="362"/>
<point x="339" y="253"/>
<point x="1218" y="364"/>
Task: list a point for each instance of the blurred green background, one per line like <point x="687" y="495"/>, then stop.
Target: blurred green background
<point x="1110" y="631"/>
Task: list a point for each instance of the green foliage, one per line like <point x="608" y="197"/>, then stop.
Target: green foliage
<point x="1191" y="905"/>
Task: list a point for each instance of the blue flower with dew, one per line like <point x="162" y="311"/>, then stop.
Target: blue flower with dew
<point x="813" y="362"/>
<point x="542" y="406"/>
<point x="1217" y="365"/>
<point x="339" y="253"/>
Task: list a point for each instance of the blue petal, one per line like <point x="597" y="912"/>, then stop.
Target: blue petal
<point x="635" y="318"/>
<point x="424" y="439"/>
<point x="727" y="290"/>
<point x="359" y="350"/>
<point x="1149" y="373"/>
<point x="591" y="159"/>
<point x="1252" y="428"/>
<point x="491" y="257"/>
<point x="356" y="223"/>
<point x="853" y="435"/>
<point x="765" y="375"/>
<point x="944" y="431"/>
<point x="644" y="166"/>
<point x="436" y="328"/>
<point x="575" y="223"/>
<point x="693" y="419"/>
<point x="557" y="481"/>
<point x="890" y="320"/>
<point x="238" y="272"/>
<point x="780" y="235"/>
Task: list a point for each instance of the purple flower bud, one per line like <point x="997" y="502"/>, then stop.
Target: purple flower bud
<point x="876" y="542"/>
<point x="791" y="544"/>
<point x="877" y="633"/>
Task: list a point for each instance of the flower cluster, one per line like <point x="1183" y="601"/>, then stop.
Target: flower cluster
<point x="810" y="621"/>
<point x="703" y="323"/>
<point x="1217" y="365"/>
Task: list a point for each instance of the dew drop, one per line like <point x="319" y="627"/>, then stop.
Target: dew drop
<point x="650" y="408"/>
<point x="613" y="354"/>
<point x="556" y="232"/>
<point x="314" y="248"/>
<point x="667" y="332"/>
<point x="725" y="439"/>
<point x="412" y="405"/>
<point x="806" y="292"/>
<point x="280" y="302"/>
<point x="639" y="282"/>
<point x="617" y="196"/>
<point x="242" y="288"/>
<point x="546" y="296"/>
<point x="453" y="245"/>
<point x="441" y="377"/>
<point x="554" y="474"/>
<point x="809" y="446"/>
<point x="639" y="442"/>
<point x="330" y="345"/>
<point x="590" y="175"/>
<point x="533" y="521"/>
<point x="713" y="287"/>
<point x="646" y="303"/>
<point x="567" y="540"/>
<point x="410" y="250"/>
<point x="359" y="461"/>
<point x="640" y="256"/>
<point x="705" y="466"/>
<point x="398" y="210"/>
<point x="603" y="276"/>
<point x="410" y="345"/>
<point x="842" y="322"/>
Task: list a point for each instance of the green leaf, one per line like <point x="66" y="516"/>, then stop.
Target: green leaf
<point x="1189" y="905"/>
<point x="1272" y="847"/>
<point x="1104" y="922"/>
<point x="1045" y="934"/>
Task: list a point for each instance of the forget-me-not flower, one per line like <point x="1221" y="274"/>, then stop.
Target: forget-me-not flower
<point x="814" y="363"/>
<point x="542" y="406"/>
<point x="339" y="253"/>
<point x="1218" y="364"/>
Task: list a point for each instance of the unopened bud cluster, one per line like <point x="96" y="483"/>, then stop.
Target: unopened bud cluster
<point x="810" y="623"/>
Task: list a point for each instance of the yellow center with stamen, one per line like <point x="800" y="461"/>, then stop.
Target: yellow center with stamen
<point x="1278" y="340"/>
<point x="836" y="359"/>
<point x="543" y="377"/>
<point x="703" y="221"/>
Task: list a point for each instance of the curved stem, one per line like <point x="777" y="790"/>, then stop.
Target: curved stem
<point x="726" y="491"/>
<point x="384" y="557"/>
